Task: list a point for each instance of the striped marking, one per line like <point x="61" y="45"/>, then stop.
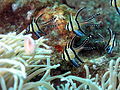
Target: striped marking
<point x="111" y="43"/>
<point x="70" y="54"/>
<point x="117" y="9"/>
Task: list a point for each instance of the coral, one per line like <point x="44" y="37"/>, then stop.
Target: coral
<point x="59" y="12"/>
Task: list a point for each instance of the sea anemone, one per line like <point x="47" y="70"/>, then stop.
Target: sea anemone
<point x="109" y="81"/>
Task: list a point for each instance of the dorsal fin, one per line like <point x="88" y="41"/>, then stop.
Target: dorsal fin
<point x="117" y="9"/>
<point x="76" y="19"/>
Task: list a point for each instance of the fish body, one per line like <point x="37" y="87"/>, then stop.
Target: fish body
<point x="71" y="54"/>
<point x="34" y="27"/>
<point x="111" y="42"/>
<point x="116" y="4"/>
<point x="75" y="26"/>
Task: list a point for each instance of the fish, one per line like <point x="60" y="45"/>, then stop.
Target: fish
<point x="75" y="26"/>
<point x="34" y="27"/>
<point x="116" y="4"/>
<point x="111" y="43"/>
<point x="71" y="54"/>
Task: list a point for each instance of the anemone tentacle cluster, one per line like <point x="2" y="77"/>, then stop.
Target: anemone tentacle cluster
<point x="109" y="81"/>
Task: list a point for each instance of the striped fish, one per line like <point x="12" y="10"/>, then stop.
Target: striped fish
<point x="75" y="26"/>
<point x="71" y="54"/>
<point x="34" y="27"/>
<point x="111" y="43"/>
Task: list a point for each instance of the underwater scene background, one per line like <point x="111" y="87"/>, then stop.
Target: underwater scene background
<point x="59" y="45"/>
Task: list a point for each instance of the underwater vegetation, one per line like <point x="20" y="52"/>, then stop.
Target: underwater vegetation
<point x="59" y="45"/>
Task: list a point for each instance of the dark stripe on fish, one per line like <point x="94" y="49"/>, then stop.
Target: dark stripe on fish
<point x="78" y="13"/>
<point x="74" y="50"/>
<point x="67" y="53"/>
<point x="71" y="24"/>
<point x="77" y="32"/>
<point x="76" y="16"/>
<point x="117" y="9"/>
<point x="109" y="47"/>
<point x="68" y="27"/>
<point x="36" y="33"/>
<point x="39" y="30"/>
<point x="64" y="56"/>
<point x="111" y="2"/>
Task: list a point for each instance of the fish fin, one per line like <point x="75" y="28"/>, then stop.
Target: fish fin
<point x="37" y="34"/>
<point x="109" y="48"/>
<point x="75" y="53"/>
<point x="93" y="25"/>
<point x="67" y="27"/>
<point x="28" y="29"/>
<point x="72" y="42"/>
<point x="79" y="33"/>
<point x="39" y="30"/>
<point x="92" y="17"/>
<point x="101" y="36"/>
<point x="74" y="63"/>
<point x="117" y="9"/>
<point x="81" y="46"/>
<point x="39" y="17"/>
<point x="44" y="23"/>
<point x="76" y="17"/>
<point x="111" y="43"/>
<point x="81" y="9"/>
